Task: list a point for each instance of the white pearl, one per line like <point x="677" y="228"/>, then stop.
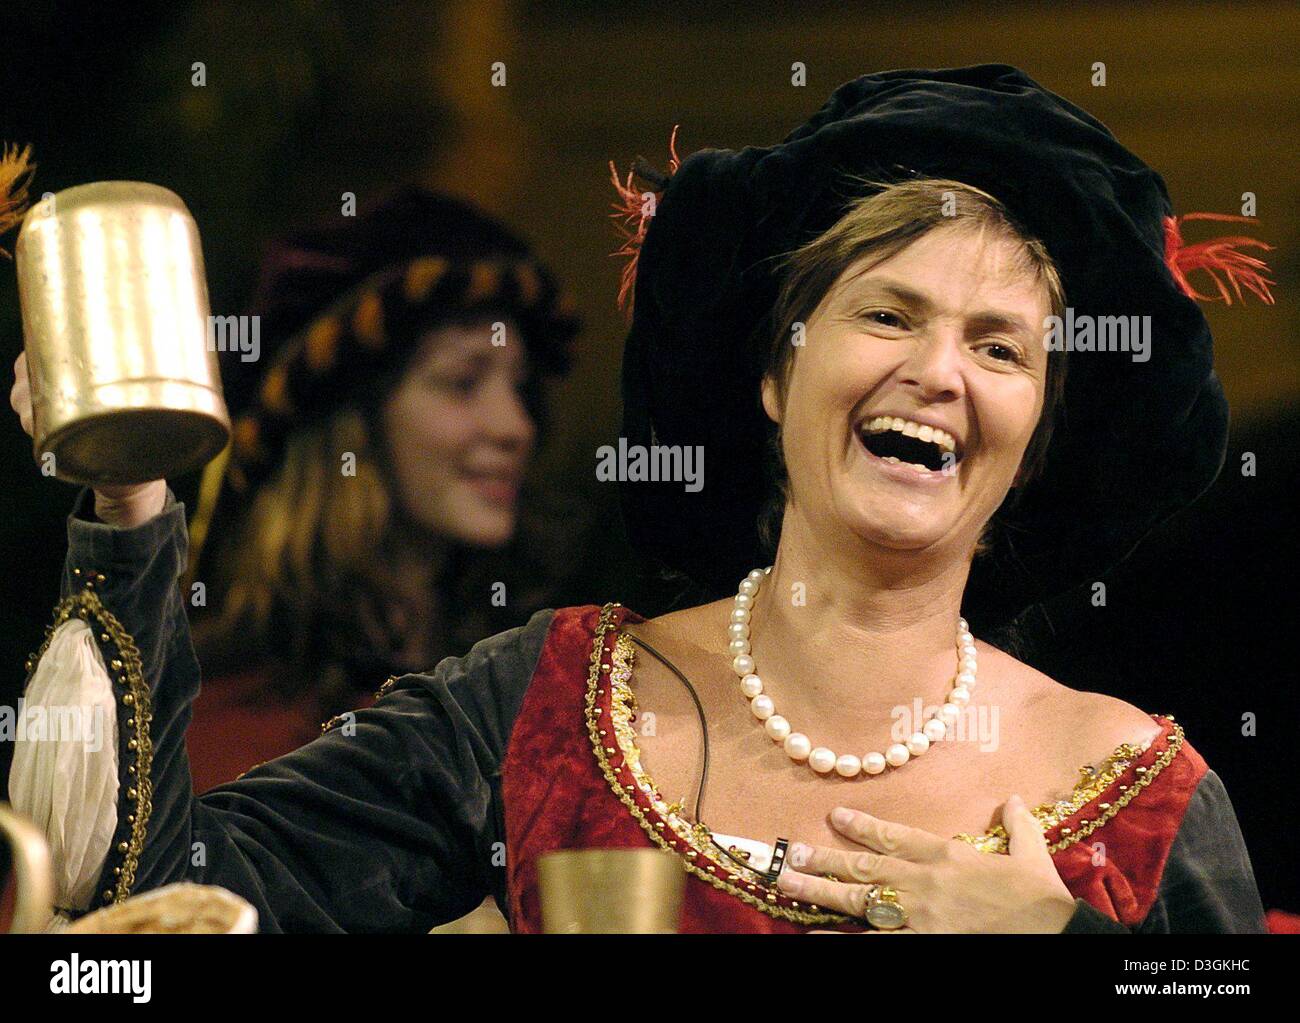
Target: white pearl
<point x="968" y="650"/>
<point x="751" y="685"/>
<point x="968" y="664"/>
<point x="739" y="646"/>
<point x="960" y="695"/>
<point x="740" y="614"/>
<point x="934" y="729"/>
<point x="744" y="600"/>
<point x="822" y="760"/>
<point x="738" y="630"/>
<point x="766" y="571"/>
<point x="797" y="746"/>
<point x="757" y="574"/>
<point x="897" y="755"/>
<point x="873" y="763"/>
<point x="762" y="707"/>
<point x="777" y="727"/>
<point x="742" y="664"/>
<point x="966" y="679"/>
<point x="848" y="766"/>
<point x="949" y="713"/>
<point x="963" y="625"/>
<point x="918" y="743"/>
<point x="748" y="587"/>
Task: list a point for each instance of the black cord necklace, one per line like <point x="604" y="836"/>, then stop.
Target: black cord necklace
<point x="779" y="849"/>
<point x="699" y="709"/>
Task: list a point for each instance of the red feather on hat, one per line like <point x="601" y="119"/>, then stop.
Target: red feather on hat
<point x="1216" y="256"/>
<point x="15" y="174"/>
<point x="631" y="217"/>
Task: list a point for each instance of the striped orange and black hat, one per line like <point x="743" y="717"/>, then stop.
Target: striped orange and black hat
<point x="342" y="306"/>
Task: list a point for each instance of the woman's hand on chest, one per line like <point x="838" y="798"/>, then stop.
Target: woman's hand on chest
<point x="943" y="885"/>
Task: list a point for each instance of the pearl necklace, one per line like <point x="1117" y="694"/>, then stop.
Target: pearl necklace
<point x="797" y="745"/>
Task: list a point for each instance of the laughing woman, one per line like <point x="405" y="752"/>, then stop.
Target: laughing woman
<point x="851" y="325"/>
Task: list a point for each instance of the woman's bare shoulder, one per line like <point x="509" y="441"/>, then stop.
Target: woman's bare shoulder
<point x="690" y="627"/>
<point x="1094" y="723"/>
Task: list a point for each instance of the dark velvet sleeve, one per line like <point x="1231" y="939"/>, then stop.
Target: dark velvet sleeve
<point x="1208" y="886"/>
<point x="388" y="822"/>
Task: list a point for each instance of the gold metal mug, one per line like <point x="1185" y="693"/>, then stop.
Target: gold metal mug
<point x="120" y="354"/>
<point x="611" y="891"/>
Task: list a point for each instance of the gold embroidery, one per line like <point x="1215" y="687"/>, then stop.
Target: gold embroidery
<point x="389" y="682"/>
<point x="1092" y="783"/>
<point x="622" y="708"/>
<point x="332" y="723"/>
<point x="127" y="671"/>
<point x="694" y="835"/>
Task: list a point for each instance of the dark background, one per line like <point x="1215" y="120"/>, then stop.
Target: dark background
<point x="306" y="100"/>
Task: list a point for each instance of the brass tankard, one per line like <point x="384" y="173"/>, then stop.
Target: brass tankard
<point x="124" y="376"/>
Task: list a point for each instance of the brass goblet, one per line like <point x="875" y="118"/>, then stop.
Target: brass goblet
<point x="611" y="891"/>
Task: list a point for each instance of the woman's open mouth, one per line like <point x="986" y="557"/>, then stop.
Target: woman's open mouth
<point x="897" y="441"/>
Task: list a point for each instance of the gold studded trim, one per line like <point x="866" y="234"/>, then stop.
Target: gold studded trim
<point x="1093" y="784"/>
<point x="351" y="715"/>
<point x="622" y="712"/>
<point x="389" y="682"/>
<point x="126" y="673"/>
<point x="331" y="724"/>
<point x="692" y="842"/>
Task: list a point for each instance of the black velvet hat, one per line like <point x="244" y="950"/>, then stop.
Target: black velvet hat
<point x="1134" y="441"/>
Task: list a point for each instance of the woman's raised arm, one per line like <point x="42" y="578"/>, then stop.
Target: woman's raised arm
<point x="388" y="822"/>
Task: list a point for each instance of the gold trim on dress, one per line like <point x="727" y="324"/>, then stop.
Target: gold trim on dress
<point x="1092" y="783"/>
<point x="687" y="840"/>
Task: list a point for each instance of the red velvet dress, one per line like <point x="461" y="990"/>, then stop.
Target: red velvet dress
<point x="570" y="781"/>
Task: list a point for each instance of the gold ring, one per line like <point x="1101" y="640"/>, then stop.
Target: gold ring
<point x="884" y="911"/>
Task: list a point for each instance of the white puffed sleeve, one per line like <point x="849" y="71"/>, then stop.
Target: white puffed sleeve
<point x="64" y="774"/>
